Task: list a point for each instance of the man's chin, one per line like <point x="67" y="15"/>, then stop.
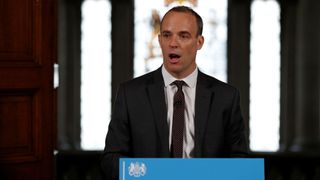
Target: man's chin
<point x="175" y="68"/>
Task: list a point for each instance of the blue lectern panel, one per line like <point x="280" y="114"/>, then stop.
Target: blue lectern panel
<point x="191" y="169"/>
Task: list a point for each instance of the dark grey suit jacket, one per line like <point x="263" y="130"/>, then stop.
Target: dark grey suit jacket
<point x="138" y="126"/>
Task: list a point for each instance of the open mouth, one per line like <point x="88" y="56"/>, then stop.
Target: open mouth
<point x="174" y="57"/>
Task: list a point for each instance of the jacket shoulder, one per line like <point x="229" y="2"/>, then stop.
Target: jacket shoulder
<point x="214" y="83"/>
<point x="144" y="80"/>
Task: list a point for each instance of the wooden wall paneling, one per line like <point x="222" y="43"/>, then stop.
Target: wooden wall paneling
<point x="27" y="120"/>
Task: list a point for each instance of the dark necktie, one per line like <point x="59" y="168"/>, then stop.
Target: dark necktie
<point x="178" y="121"/>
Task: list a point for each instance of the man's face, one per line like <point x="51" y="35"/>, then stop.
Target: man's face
<point x="179" y="43"/>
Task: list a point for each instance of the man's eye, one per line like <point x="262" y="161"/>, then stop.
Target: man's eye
<point x="184" y="36"/>
<point x="165" y="35"/>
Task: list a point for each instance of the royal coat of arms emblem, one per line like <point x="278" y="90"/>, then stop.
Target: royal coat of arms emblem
<point x="137" y="169"/>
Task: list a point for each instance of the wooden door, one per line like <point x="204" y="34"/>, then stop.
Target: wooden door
<point x="27" y="97"/>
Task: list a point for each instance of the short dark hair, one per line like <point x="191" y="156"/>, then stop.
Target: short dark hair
<point x="186" y="9"/>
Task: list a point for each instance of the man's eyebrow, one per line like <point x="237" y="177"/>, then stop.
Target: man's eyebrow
<point x="185" y="32"/>
<point x="165" y="31"/>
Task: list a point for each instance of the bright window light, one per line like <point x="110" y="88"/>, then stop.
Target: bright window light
<point x="265" y="76"/>
<point x="95" y="73"/>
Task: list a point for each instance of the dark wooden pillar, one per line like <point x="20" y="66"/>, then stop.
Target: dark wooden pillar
<point x="307" y="117"/>
<point x="239" y="50"/>
<point x="122" y="18"/>
<point x="288" y="61"/>
<point x="69" y="59"/>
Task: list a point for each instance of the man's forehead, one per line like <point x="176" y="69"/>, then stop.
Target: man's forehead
<point x="174" y="22"/>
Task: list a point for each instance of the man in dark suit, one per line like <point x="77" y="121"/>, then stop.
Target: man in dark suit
<point x="146" y="120"/>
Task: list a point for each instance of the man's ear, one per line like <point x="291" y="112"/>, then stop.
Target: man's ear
<point x="200" y="42"/>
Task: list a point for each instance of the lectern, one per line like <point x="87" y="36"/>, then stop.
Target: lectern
<point x="191" y="169"/>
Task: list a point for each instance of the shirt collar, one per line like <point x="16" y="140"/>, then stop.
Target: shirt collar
<point x="190" y="80"/>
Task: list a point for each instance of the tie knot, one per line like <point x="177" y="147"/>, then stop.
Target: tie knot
<point x="179" y="84"/>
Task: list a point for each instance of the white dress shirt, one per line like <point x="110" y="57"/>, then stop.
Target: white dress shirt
<point x="189" y="91"/>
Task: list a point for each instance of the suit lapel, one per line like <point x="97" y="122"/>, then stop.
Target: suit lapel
<point x="155" y="92"/>
<point x="204" y="96"/>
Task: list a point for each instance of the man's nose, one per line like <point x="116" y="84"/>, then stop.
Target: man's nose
<point x="174" y="42"/>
